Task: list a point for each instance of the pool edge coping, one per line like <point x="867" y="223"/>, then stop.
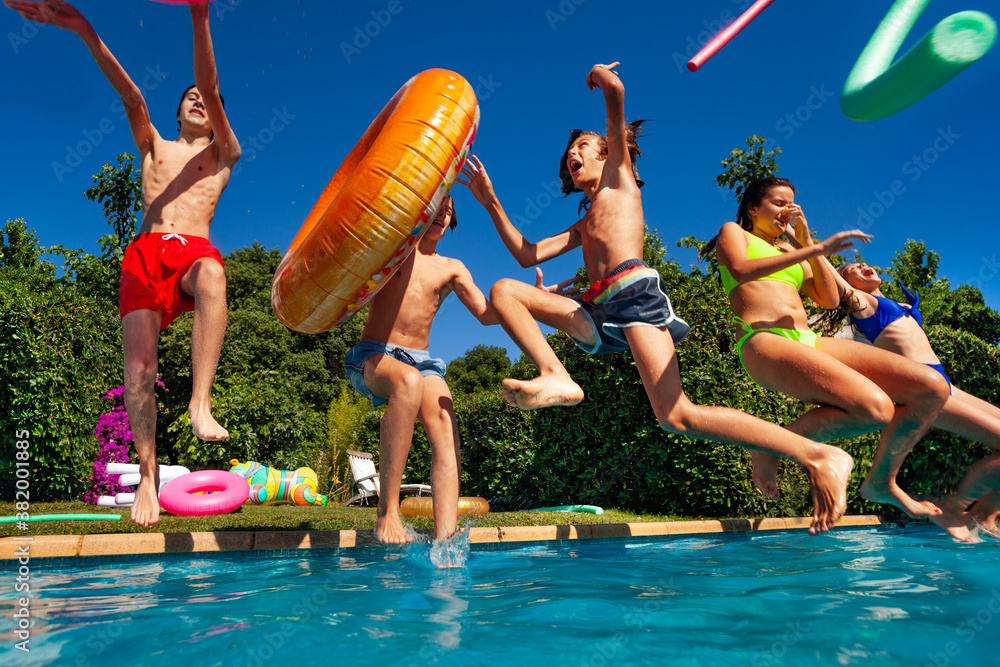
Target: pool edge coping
<point x="124" y="544"/>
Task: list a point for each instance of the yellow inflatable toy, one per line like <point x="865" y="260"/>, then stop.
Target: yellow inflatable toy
<point x="417" y="506"/>
<point x="269" y="486"/>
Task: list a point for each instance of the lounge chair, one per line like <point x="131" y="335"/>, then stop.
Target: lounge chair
<point x="366" y="479"/>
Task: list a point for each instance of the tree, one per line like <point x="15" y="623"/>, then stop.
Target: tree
<point x="743" y="167"/>
<point x="19" y="246"/>
<point x="962" y="308"/>
<point x="482" y="368"/>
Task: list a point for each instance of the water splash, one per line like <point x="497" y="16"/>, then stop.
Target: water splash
<point x="453" y="551"/>
<point x="442" y="553"/>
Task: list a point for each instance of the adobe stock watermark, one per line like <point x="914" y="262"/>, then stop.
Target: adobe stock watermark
<point x="364" y="34"/>
<point x="967" y="631"/>
<point x="775" y="653"/>
<point x="562" y="12"/>
<point x="257" y="142"/>
<point x="223" y="7"/>
<point x="610" y="651"/>
<point x="94" y="136"/>
<point x="27" y="32"/>
<point x="915" y="168"/>
<point x="533" y="206"/>
<point x="713" y="27"/>
<point x="989" y="267"/>
<point x="791" y="122"/>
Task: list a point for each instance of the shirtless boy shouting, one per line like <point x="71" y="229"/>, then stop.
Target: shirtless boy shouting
<point x="170" y="266"/>
<point x="626" y="307"/>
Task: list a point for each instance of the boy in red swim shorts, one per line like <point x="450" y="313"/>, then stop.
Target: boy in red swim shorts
<point x="170" y="266"/>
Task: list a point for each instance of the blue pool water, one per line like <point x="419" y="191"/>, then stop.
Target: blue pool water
<point x="885" y="597"/>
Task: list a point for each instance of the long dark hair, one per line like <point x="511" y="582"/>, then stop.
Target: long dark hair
<point x="633" y="131"/>
<point x="752" y="196"/>
<point x="831" y="321"/>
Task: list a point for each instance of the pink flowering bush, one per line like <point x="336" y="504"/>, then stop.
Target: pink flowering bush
<point x="115" y="436"/>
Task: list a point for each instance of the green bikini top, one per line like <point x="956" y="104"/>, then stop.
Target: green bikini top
<point x="757" y="248"/>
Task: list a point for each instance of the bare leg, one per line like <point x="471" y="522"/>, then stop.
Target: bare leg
<point x="975" y="419"/>
<point x="855" y="386"/>
<point x="140" y="336"/>
<point x="518" y="305"/>
<point x="437" y="414"/>
<point x="206" y="281"/>
<point x="828" y="467"/>
<point x="403" y="385"/>
<point x="986" y="511"/>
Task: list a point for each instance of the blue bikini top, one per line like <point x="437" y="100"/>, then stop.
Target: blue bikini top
<point x="887" y="312"/>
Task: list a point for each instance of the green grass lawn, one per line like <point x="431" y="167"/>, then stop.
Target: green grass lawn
<point x="284" y="517"/>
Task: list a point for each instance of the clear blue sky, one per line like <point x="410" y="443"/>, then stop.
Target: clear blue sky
<point x="283" y="66"/>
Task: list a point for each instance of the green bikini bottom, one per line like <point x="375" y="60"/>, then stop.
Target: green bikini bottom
<point x="806" y="337"/>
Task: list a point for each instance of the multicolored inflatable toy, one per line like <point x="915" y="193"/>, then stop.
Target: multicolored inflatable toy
<point x="877" y="87"/>
<point x="269" y="486"/>
<point x="376" y="207"/>
<point x="423" y="506"/>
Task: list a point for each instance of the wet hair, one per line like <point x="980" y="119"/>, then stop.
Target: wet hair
<point x="453" y="223"/>
<point x="752" y="197"/>
<point x="181" y="103"/>
<point x="633" y="131"/>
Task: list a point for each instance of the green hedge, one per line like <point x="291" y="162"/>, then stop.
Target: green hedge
<point x="61" y="351"/>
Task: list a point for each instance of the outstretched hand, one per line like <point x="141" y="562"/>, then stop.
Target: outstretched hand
<point x="51" y="12"/>
<point x="590" y="74"/>
<point x="562" y="289"/>
<point x="477" y="180"/>
<point x="841" y="241"/>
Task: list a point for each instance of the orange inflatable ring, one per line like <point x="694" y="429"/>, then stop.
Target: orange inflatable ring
<point x="415" y="506"/>
<point x="376" y="207"/>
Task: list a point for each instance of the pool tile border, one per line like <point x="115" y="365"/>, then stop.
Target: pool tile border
<point x="130" y="547"/>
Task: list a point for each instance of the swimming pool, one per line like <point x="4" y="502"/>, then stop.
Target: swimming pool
<point x="872" y="597"/>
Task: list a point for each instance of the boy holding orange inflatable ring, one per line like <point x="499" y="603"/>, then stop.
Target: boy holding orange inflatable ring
<point x="170" y="266"/>
<point x="626" y="308"/>
<point x="390" y="364"/>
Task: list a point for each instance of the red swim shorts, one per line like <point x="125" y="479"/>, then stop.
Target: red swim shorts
<point x="152" y="270"/>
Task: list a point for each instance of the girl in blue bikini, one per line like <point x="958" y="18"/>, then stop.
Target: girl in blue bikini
<point x="898" y="328"/>
<point x="857" y="388"/>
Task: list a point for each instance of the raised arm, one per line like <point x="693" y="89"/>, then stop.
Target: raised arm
<point x="472" y="297"/>
<point x="605" y="78"/>
<point x="63" y="15"/>
<point x="206" y="78"/>
<point x="526" y="253"/>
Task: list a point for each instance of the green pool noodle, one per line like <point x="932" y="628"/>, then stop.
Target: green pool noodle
<point x="877" y="87"/>
<point x="592" y="509"/>
<point x="63" y="517"/>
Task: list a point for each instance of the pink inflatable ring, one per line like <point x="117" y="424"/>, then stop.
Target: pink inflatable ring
<point x="177" y="495"/>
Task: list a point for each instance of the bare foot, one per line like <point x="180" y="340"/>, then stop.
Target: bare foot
<point x="765" y="473"/>
<point x="985" y="516"/>
<point x="542" y="392"/>
<point x="146" y="508"/>
<point x="828" y="478"/>
<point x="956" y="522"/>
<point x="389" y="529"/>
<point x="894" y="495"/>
<point x="204" y="426"/>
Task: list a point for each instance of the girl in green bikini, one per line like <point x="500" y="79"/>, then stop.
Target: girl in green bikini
<point x="857" y="388"/>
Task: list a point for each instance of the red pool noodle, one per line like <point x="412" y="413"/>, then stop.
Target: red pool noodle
<point x="723" y="37"/>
